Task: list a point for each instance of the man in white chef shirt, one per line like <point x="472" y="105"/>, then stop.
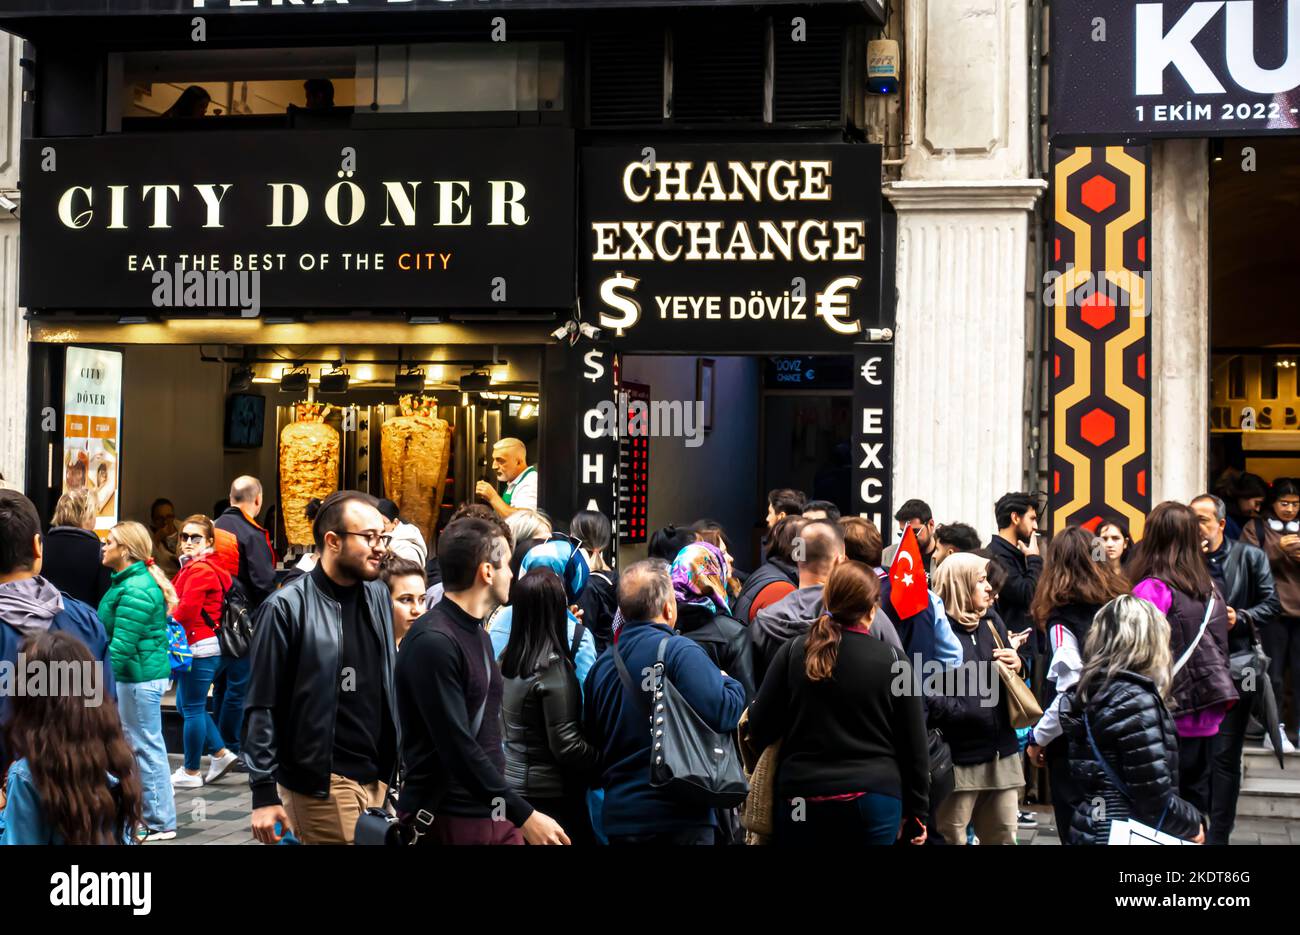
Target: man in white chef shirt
<point x="510" y="461"/>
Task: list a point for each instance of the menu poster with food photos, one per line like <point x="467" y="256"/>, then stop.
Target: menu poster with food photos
<point x="92" y="428"/>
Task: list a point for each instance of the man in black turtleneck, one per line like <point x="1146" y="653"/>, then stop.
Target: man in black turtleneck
<point x="323" y="667"/>
<point x="454" y="790"/>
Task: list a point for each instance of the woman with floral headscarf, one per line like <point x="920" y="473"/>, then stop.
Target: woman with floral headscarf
<point x="700" y="572"/>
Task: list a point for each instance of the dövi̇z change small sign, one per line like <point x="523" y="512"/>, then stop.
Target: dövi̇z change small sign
<point x="746" y="248"/>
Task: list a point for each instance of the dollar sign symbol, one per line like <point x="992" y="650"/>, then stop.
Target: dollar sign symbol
<point x="629" y="307"/>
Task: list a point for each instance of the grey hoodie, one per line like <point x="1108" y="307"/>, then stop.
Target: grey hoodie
<point x="30" y="604"/>
<point x="793" y="615"/>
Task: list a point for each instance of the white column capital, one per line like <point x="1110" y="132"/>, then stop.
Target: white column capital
<point x="959" y="195"/>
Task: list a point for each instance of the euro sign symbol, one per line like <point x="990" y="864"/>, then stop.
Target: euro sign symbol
<point x="834" y="307"/>
<point x="630" y="308"/>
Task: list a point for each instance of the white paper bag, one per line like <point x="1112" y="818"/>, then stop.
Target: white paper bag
<point x="1129" y="832"/>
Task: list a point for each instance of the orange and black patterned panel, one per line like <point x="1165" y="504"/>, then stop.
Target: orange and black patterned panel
<point x="1099" y="459"/>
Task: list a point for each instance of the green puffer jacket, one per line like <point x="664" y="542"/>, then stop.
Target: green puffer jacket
<point x="134" y="615"/>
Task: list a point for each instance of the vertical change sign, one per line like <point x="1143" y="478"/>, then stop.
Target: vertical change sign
<point x="92" y="428"/>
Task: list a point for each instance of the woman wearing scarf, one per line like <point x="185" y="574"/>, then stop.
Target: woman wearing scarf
<point x="985" y="752"/>
<point x="700" y="572"/>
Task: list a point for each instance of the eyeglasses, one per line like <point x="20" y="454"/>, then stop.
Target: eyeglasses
<point x="373" y="539"/>
<point x="192" y="537"/>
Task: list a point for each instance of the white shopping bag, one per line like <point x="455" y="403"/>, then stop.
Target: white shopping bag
<point x="1129" y="832"/>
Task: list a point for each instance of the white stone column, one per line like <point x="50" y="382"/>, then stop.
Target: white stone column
<point x="963" y="206"/>
<point x="13" y="329"/>
<point x="1180" y="326"/>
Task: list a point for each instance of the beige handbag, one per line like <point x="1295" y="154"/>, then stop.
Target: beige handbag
<point x="1022" y="706"/>
<point x="756" y="815"/>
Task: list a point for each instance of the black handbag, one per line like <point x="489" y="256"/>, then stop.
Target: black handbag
<point x="1252" y="659"/>
<point x="688" y="758"/>
<point x="235" y="630"/>
<point x="942" y="780"/>
<point x="381" y="825"/>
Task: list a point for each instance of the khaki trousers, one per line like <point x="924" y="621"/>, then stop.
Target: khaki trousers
<point x="331" y="820"/>
<point x="991" y="811"/>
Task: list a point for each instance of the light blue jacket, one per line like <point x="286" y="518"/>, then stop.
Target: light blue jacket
<point x="500" y="634"/>
<point x="946" y="648"/>
<point x="23" y="820"/>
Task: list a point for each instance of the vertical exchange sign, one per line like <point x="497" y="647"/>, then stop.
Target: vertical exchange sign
<point x="873" y="435"/>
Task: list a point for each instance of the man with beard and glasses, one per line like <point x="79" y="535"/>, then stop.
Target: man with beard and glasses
<point x="323" y="668"/>
<point x="449" y="690"/>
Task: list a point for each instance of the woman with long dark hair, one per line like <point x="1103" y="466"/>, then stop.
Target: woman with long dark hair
<point x="74" y="779"/>
<point x="1116" y="542"/>
<point x="1277" y="532"/>
<point x="1074" y="585"/>
<point x="1123" y="745"/>
<point x="548" y="760"/>
<point x="853" y="750"/>
<point x="1168" y="569"/>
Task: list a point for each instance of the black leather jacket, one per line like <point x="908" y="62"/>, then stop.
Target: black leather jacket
<point x="292" y="700"/>
<point x="1249" y="590"/>
<point x="546" y="753"/>
<point x="1135" y="733"/>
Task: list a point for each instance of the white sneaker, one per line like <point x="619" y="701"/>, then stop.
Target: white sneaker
<point x="221" y="765"/>
<point x="184" y="780"/>
<point x="1287" y="745"/>
<point x="153" y="836"/>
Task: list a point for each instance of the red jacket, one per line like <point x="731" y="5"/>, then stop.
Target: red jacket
<point x="200" y="585"/>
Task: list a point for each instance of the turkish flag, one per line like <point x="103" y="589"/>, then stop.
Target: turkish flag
<point x="908" y="588"/>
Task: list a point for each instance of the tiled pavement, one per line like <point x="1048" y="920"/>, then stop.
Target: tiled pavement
<point x="219" y="814"/>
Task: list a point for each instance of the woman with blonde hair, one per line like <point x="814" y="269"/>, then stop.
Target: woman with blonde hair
<point x="1123" y="742"/>
<point x="985" y="751"/>
<point x="528" y="524"/>
<point x="72" y="559"/>
<point x="134" y="613"/>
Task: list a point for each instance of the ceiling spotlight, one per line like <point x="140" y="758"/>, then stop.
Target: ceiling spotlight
<point x="294" y="380"/>
<point x="334" y="382"/>
<point x="241" y="378"/>
<point x="410" y="382"/>
<point x="475" y="381"/>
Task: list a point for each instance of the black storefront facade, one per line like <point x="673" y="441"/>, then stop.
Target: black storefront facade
<point x="645" y="196"/>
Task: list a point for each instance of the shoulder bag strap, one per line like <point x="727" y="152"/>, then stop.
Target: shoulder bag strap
<point x="487" y="689"/>
<point x="1106" y="768"/>
<point x="626" y="677"/>
<point x="1187" y="653"/>
<point x="997" y="640"/>
<point x="579" y="630"/>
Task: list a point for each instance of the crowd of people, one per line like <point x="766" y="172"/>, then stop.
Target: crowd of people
<point x="507" y="685"/>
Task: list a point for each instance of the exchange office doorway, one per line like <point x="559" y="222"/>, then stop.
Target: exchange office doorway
<point x="763" y="422"/>
<point x="1254" y="328"/>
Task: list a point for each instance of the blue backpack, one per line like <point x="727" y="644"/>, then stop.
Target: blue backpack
<point x="179" y="653"/>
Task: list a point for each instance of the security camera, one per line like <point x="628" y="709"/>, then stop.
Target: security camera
<point x="591" y="332"/>
<point x="563" y="332"/>
<point x="9" y="205"/>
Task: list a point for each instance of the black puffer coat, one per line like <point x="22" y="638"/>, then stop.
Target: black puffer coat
<point x="1135" y="733"/>
<point x="546" y="754"/>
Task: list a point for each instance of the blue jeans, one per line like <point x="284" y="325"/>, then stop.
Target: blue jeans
<point x="140" y="704"/>
<point x="201" y="735"/>
<point x="870" y="819"/>
<point x="230" y="687"/>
